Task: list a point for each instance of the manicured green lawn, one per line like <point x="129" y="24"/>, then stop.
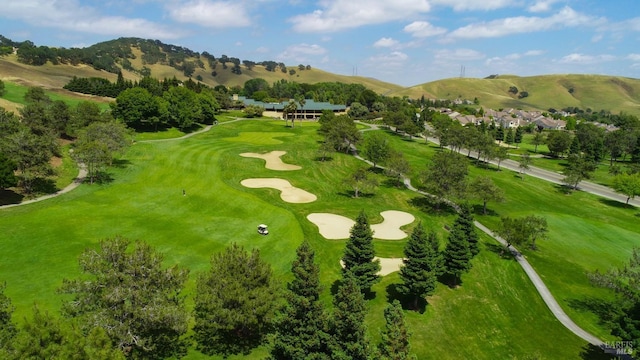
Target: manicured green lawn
<point x="585" y="233"/>
<point x="495" y="314"/>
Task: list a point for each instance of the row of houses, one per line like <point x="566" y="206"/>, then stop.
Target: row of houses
<point x="509" y="118"/>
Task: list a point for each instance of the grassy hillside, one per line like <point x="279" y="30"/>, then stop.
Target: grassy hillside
<point x="549" y="91"/>
<point x="56" y="76"/>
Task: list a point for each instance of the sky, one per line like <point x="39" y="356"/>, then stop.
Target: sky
<point x="405" y="42"/>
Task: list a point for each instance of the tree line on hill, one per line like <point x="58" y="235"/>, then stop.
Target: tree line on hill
<point x="116" y="55"/>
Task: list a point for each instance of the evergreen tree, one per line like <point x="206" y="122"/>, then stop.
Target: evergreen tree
<point x="457" y="254"/>
<point x="394" y="344"/>
<point x="418" y="274"/>
<point x="509" y="138"/>
<point x="518" y="136"/>
<point x="464" y="222"/>
<point x="359" y="254"/>
<point x="7" y="327"/>
<point x="438" y="266"/>
<point x="46" y="337"/>
<point x="500" y="133"/>
<point x="132" y="297"/>
<point x="301" y="326"/>
<point x="234" y="303"/>
<point x="349" y="334"/>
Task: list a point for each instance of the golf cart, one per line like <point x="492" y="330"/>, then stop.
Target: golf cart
<point x="262" y="229"/>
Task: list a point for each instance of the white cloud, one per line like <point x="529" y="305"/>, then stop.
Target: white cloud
<point x="262" y="50"/>
<point x="582" y="59"/>
<point x="214" y="14"/>
<point x="507" y="59"/>
<point x="301" y="53"/>
<point x="387" y="63"/>
<point x="463" y="5"/>
<point x="71" y="15"/>
<point x="423" y="29"/>
<point x="458" y="55"/>
<point x="385" y="42"/>
<point x="541" y="6"/>
<point x="566" y="17"/>
<point x="337" y="15"/>
<point x="633" y="57"/>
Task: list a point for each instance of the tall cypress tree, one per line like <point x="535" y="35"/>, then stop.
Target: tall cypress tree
<point x="464" y="221"/>
<point x="359" y="254"/>
<point x="394" y="344"/>
<point x="349" y="334"/>
<point x="457" y="254"/>
<point x="301" y="327"/>
<point x="418" y="275"/>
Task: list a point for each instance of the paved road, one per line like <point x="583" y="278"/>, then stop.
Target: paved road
<point x="554" y="177"/>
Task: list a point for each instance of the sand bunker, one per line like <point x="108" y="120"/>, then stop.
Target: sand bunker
<point x="288" y="192"/>
<point x="273" y="161"/>
<point x="334" y="227"/>
<point x="387" y="265"/>
<point x="389" y="229"/>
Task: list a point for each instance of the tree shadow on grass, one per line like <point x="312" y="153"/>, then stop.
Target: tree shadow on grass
<point x="101" y="177"/>
<point x="605" y="310"/>
<point x="10" y="197"/>
<point x="44" y="186"/>
<point x="352" y="194"/>
<point x="432" y="206"/>
<point x="450" y="280"/>
<point x="391" y="183"/>
<point x="500" y="250"/>
<point x="615" y="203"/>
<point x="478" y="209"/>
<point x="592" y="352"/>
<point x="405" y="301"/>
<point x="335" y="286"/>
<point x="323" y="158"/>
<point x="120" y="163"/>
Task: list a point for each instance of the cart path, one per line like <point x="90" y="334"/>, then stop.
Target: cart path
<point x="82" y="174"/>
<point x="82" y="171"/>
<point x="539" y="285"/>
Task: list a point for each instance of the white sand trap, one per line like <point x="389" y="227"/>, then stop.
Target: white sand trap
<point x="288" y="192"/>
<point x="273" y="161"/>
<point x="387" y="265"/>
<point x="389" y="229"/>
<point x="334" y="227"/>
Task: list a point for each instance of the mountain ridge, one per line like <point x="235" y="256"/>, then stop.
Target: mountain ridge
<point x="136" y="57"/>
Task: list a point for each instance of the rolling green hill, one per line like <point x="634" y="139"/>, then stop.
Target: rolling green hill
<point x="134" y="56"/>
<point x="597" y="92"/>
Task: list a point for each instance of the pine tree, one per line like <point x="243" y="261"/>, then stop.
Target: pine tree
<point x="359" y="254"/>
<point x="457" y="254"/>
<point x="234" y="303"/>
<point x="7" y="327"/>
<point x="394" y="344"/>
<point x="301" y="327"/>
<point x="465" y="222"/>
<point x="509" y="138"/>
<point x="438" y="266"/>
<point x="349" y="334"/>
<point x="418" y="275"/>
<point x="518" y="137"/>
